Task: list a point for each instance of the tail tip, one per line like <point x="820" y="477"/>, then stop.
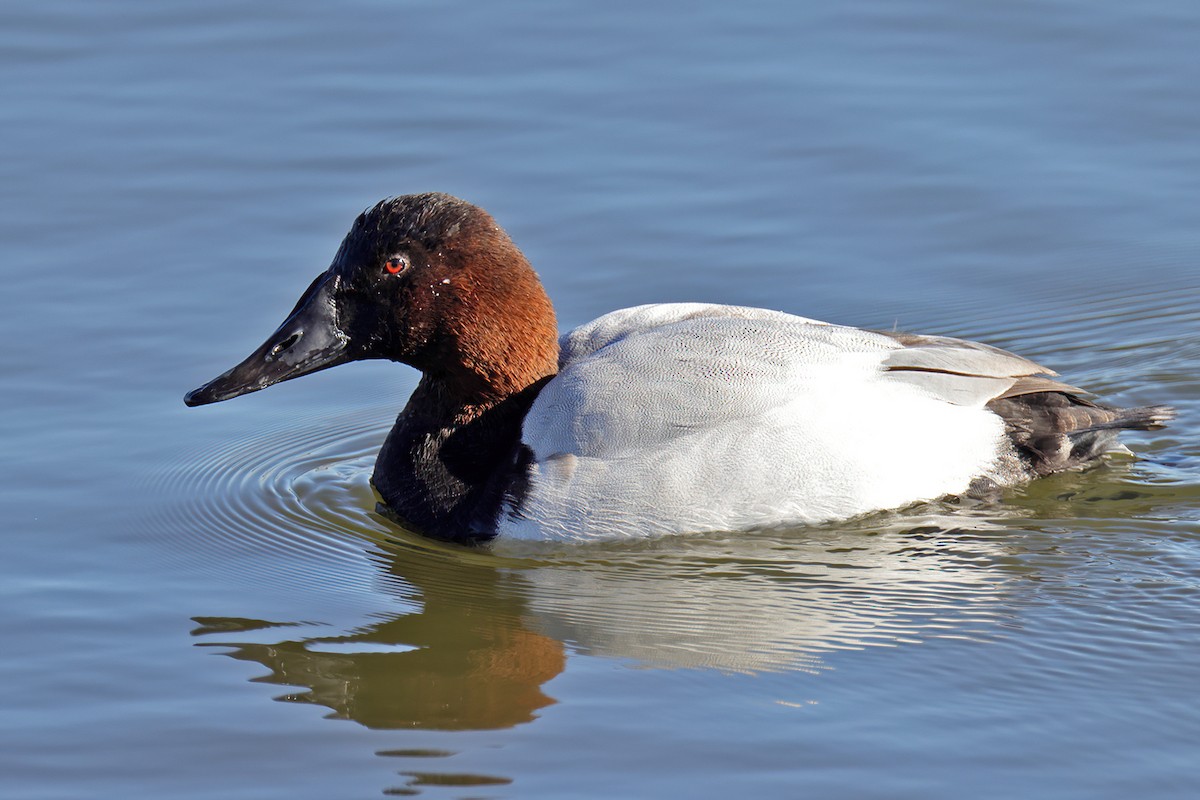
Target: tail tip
<point x="1154" y="417"/>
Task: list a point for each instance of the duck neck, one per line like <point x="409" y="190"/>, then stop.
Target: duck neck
<point x="445" y="465"/>
<point x="449" y="459"/>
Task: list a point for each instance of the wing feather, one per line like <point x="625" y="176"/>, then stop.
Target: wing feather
<point x="964" y="372"/>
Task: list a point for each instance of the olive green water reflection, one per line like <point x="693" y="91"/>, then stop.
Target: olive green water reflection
<point x="457" y="663"/>
<point x="490" y="629"/>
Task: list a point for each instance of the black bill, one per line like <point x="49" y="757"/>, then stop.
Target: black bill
<point x="309" y="340"/>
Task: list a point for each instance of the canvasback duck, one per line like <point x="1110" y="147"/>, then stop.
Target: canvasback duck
<point x="671" y="418"/>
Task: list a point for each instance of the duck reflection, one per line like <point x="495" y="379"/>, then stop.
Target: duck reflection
<point x="491" y="628"/>
<point x="776" y="602"/>
<point x="464" y="661"/>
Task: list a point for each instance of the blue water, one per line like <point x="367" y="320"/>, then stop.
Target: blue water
<point x="202" y="603"/>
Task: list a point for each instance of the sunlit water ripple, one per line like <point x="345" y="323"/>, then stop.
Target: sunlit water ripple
<point x="295" y="491"/>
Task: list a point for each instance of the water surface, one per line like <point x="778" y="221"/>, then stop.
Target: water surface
<point x="203" y="603"/>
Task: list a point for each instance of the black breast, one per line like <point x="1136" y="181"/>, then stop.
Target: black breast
<point x="448" y="479"/>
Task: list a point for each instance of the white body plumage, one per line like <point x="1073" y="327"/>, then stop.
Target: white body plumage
<point x="689" y="417"/>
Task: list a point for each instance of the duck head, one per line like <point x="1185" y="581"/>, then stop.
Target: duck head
<point x="428" y="280"/>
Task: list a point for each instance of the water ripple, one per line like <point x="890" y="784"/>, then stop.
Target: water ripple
<point x="297" y="492"/>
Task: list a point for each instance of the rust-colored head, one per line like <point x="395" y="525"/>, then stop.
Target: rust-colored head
<point x="428" y="280"/>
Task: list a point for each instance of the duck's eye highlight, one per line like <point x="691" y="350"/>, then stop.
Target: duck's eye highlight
<point x="396" y="264"/>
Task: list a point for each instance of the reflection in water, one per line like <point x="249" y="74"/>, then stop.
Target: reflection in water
<point x="452" y="665"/>
<point x="492" y="627"/>
<point x="483" y="631"/>
<point x="762" y="602"/>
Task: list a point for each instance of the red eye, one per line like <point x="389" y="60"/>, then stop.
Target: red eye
<point x="396" y="264"/>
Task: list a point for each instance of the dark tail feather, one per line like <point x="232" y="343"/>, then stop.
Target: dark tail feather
<point x="1056" y="431"/>
<point x="1143" y="418"/>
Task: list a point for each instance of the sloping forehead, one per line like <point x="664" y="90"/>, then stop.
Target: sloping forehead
<point x="389" y="225"/>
